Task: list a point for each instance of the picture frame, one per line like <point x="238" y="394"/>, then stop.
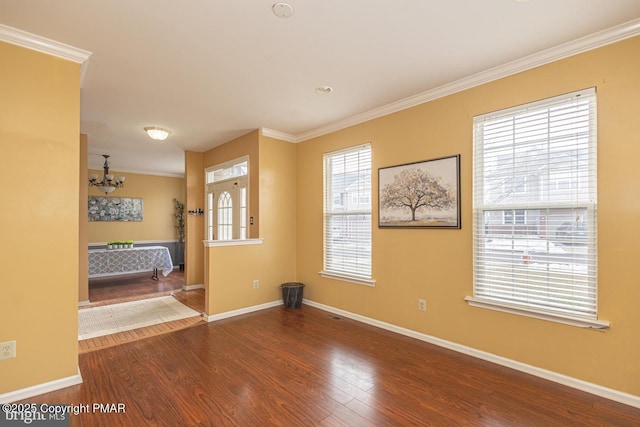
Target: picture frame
<point x="120" y="209"/>
<point x="424" y="194"/>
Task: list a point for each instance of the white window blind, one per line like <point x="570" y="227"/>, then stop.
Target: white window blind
<point x="347" y="213"/>
<point x="534" y="203"/>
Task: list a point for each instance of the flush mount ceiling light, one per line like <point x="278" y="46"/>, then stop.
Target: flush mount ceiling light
<point x="282" y="10"/>
<point x="324" y="90"/>
<point x="108" y="183"/>
<point x="157" y="133"/>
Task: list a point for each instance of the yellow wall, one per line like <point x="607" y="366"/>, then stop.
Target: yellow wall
<point x="39" y="128"/>
<point x="231" y="270"/>
<point x="194" y="224"/>
<point x="437" y="264"/>
<point x="157" y="193"/>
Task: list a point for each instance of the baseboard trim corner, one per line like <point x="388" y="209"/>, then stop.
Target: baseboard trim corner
<point x="595" y="389"/>
<point x="47" y="387"/>
<point x="192" y="287"/>
<point x="238" y="312"/>
<point x="83" y="303"/>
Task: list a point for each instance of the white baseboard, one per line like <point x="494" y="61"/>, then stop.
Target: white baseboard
<point x="607" y="393"/>
<point x="35" y="390"/>
<point x="240" y="311"/>
<point x="192" y="287"/>
<point x="83" y="303"/>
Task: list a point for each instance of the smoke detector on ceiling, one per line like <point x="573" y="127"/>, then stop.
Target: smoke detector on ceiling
<point x="282" y="10"/>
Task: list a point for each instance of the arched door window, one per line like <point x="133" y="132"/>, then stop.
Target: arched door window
<point x="227" y="196"/>
<point x="225" y="216"/>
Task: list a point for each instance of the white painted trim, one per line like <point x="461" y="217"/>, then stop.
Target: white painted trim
<point x="565" y="50"/>
<point x="36" y="390"/>
<point x="84" y="303"/>
<point x="347" y="278"/>
<point x="237" y="242"/>
<point x="238" y="312"/>
<point x="607" y="393"/>
<point x="44" y="45"/>
<point x="551" y="317"/>
<point x="283" y="136"/>
<point x="192" y="287"/>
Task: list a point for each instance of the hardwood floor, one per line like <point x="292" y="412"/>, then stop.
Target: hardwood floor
<point x="114" y="289"/>
<point x="117" y="289"/>
<point x="305" y="367"/>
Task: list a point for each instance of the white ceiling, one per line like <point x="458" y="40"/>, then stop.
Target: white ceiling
<point x="212" y="70"/>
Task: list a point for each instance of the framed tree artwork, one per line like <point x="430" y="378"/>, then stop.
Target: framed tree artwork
<point x="423" y="194"/>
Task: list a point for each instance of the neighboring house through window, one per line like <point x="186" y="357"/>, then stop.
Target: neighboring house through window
<point x="534" y="205"/>
<point x="347" y="214"/>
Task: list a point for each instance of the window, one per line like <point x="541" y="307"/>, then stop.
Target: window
<point x="225" y="216"/>
<point x="347" y="214"/>
<point x="227" y="192"/>
<point x="534" y="203"/>
<point x="514" y="217"/>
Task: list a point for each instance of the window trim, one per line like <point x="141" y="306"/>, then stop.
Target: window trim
<point x="343" y="275"/>
<point x="504" y="307"/>
<point x="208" y="189"/>
<point x="539" y="312"/>
<point x="347" y="278"/>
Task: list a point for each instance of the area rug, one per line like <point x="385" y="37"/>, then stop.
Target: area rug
<point x="109" y="319"/>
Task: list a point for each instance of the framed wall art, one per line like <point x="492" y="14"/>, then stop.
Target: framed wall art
<point x="423" y="194"/>
<point x="125" y="209"/>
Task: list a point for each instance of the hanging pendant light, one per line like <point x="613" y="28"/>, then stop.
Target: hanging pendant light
<point x="108" y="183"/>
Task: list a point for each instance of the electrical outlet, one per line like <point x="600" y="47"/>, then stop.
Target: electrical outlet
<point x="256" y="284"/>
<point x="422" y="304"/>
<point x="7" y="350"/>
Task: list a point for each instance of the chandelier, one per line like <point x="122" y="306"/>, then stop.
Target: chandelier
<point x="108" y="183"/>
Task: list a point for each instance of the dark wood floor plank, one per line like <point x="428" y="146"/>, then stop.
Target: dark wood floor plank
<point x="304" y="367"/>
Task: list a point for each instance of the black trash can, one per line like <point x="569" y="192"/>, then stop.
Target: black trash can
<point x="292" y="294"/>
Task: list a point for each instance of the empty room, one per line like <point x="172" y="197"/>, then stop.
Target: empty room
<point x="356" y="213"/>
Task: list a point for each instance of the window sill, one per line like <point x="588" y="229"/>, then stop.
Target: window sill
<point x="552" y="317"/>
<point x="238" y="242"/>
<point x="347" y="278"/>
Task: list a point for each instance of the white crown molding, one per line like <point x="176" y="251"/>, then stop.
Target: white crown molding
<point x="283" y="136"/>
<point x="38" y="389"/>
<point x="565" y="50"/>
<point x="595" y="389"/>
<point x="42" y="44"/>
<point x="45" y="45"/>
